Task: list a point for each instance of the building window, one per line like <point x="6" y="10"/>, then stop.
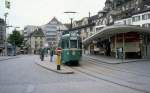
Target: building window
<point x="133" y="19"/>
<point x="1" y="28"/>
<point x="146" y="25"/>
<point x="136" y="18"/>
<point x="124" y="22"/>
<point x="51" y="39"/>
<point x="35" y="37"/>
<point x="129" y="21"/>
<point x="148" y="16"/>
<point x="41" y="43"/>
<point x="145" y="16"/>
<point x="36" y="44"/>
<point x="1" y="37"/>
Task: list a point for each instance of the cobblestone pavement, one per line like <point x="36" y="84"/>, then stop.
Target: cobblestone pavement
<point x="22" y="75"/>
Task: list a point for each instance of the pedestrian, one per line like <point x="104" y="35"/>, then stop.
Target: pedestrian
<point x="51" y="55"/>
<point x="0" y="52"/>
<point x="46" y="51"/>
<point x="42" y="54"/>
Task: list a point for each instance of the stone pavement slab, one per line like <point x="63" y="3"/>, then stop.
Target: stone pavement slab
<point x="53" y="67"/>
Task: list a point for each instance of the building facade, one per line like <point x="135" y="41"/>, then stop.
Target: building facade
<point x="28" y="30"/>
<point x="122" y="26"/>
<point x="36" y="40"/>
<point x="52" y="31"/>
<point x="135" y="13"/>
<point x="2" y="36"/>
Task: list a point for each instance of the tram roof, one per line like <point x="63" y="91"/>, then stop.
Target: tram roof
<point x="66" y="35"/>
<point x="115" y="29"/>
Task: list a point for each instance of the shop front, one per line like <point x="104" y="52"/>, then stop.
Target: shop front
<point x="127" y="44"/>
<point x="121" y="42"/>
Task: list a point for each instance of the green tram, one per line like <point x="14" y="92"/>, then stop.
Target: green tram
<point x="71" y="48"/>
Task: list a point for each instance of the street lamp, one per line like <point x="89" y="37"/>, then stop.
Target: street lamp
<point x="70" y="12"/>
<point x="5" y="32"/>
<point x="5" y="37"/>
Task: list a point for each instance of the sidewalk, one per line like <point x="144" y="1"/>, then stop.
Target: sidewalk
<point x="53" y="67"/>
<point x="2" y="58"/>
<point x="112" y="60"/>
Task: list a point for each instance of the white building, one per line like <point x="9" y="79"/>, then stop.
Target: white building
<point x="2" y="36"/>
<point x="52" y="31"/>
<point x="28" y="30"/>
<point x="36" y="41"/>
<point x="140" y="19"/>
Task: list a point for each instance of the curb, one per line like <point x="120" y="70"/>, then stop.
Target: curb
<point x="102" y="61"/>
<point x="120" y="62"/>
<point x="8" y="58"/>
<point x="62" y="71"/>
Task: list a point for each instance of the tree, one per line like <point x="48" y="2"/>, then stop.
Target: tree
<point x="15" y="38"/>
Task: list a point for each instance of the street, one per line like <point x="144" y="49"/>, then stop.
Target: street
<point x="22" y="75"/>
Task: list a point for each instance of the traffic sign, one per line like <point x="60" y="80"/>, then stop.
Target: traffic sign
<point x="58" y="49"/>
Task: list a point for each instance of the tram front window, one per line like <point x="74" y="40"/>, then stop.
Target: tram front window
<point x="73" y="43"/>
<point x="65" y="44"/>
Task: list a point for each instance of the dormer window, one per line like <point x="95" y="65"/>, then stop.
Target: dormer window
<point x="100" y="15"/>
<point x="137" y="2"/>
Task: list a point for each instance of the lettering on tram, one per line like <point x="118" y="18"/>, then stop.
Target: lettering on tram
<point x="73" y="36"/>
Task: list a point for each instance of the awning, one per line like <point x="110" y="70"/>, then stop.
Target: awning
<point x="115" y="29"/>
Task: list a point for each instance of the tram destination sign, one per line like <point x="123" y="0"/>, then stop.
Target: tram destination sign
<point x="73" y="35"/>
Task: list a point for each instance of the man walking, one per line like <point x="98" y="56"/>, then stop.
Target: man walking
<point x="42" y="54"/>
<point x="51" y="55"/>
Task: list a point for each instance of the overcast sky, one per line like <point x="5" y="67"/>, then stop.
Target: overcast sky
<point x="40" y="12"/>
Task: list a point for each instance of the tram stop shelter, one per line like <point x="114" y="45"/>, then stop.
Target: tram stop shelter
<point x="120" y="41"/>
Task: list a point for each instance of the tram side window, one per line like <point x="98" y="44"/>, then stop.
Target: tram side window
<point x="73" y="43"/>
<point x="67" y="44"/>
<point x="62" y="44"/>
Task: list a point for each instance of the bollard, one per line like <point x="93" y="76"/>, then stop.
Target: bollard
<point x="58" y="62"/>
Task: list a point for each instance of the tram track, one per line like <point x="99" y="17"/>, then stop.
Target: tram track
<point x="92" y="61"/>
<point x="95" y="73"/>
<point x="102" y="71"/>
<point x="110" y="81"/>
